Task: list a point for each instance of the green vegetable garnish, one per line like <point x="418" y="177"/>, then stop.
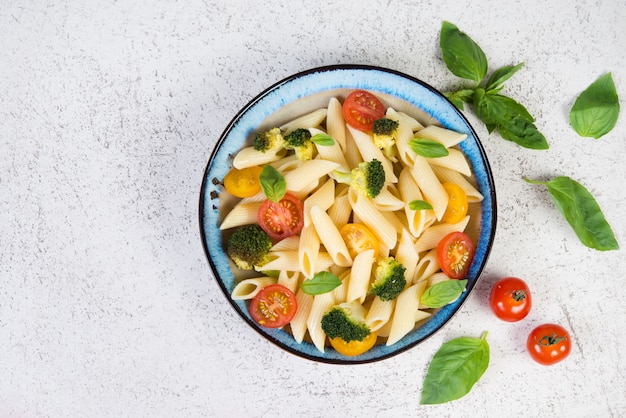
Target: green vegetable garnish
<point x="428" y="148"/>
<point x="455" y="368"/>
<point x="420" y="205"/>
<point x="595" y="110"/>
<point x="465" y="59"/>
<point x="273" y="183"/>
<point x="322" y="282"/>
<point x="442" y="293"/>
<point x="581" y="210"/>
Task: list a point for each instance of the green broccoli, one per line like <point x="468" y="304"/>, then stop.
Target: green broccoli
<point x="347" y="321"/>
<point x="367" y="178"/>
<point x="389" y="280"/>
<point x="271" y="140"/>
<point x="385" y="132"/>
<point x="249" y="247"/>
<point x="300" y="141"/>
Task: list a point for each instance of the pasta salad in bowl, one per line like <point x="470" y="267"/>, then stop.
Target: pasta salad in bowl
<point x="347" y="212"/>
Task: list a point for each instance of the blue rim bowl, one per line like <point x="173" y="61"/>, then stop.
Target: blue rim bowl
<point x="310" y="90"/>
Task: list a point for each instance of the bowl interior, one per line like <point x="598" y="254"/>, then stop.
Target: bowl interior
<point x="306" y="92"/>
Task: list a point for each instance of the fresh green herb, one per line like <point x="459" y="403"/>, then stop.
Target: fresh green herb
<point x="273" y="183"/>
<point x="442" y="293"/>
<point x="582" y="212"/>
<point x="455" y="368"/>
<point x="420" y="205"/>
<point x="428" y="148"/>
<point x="465" y="59"/>
<point x="322" y="282"/>
<point x="323" y="139"/>
<point x="595" y="110"/>
<point x="461" y="54"/>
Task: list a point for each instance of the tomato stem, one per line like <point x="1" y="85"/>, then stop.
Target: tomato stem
<point x="548" y="340"/>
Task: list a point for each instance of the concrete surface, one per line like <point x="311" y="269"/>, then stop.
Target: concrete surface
<point x="108" y="113"/>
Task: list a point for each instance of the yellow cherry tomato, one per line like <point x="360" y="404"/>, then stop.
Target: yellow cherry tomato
<point x="457" y="204"/>
<point x="353" y="348"/>
<point x="359" y="238"/>
<point x="244" y="182"/>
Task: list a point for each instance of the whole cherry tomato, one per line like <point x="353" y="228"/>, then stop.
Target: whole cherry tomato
<point x="548" y="344"/>
<point x="510" y="299"/>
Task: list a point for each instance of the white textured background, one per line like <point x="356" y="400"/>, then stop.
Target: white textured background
<point x="108" y="113"/>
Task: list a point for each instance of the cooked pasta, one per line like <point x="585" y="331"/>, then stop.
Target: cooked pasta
<point x="409" y="235"/>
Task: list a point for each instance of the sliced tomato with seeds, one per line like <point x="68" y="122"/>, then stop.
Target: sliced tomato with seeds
<point x="361" y="108"/>
<point x="274" y="306"/>
<point x="455" y="253"/>
<point x="359" y="238"/>
<point x="457" y="203"/>
<point x="282" y="219"/>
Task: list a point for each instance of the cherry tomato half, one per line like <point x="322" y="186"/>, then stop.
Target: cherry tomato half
<point x="274" y="306"/>
<point x="548" y="344"/>
<point x="359" y="238"/>
<point x="455" y="253"/>
<point x="282" y="219"/>
<point x="354" y="347"/>
<point x="244" y="182"/>
<point x="457" y="203"/>
<point x="361" y="109"/>
<point x="510" y="299"/>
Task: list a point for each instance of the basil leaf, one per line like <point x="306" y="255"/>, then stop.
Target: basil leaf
<point x="458" y="98"/>
<point x="322" y="282"/>
<point x="442" y="293"/>
<point x="428" y="148"/>
<point x="500" y="76"/>
<point x="462" y="55"/>
<point x="454" y="370"/>
<point x="420" y="205"/>
<point x="273" y="183"/>
<point x="510" y="118"/>
<point x="523" y="132"/>
<point x="494" y="108"/>
<point x="581" y="211"/>
<point x="323" y="139"/>
<point x="595" y="110"/>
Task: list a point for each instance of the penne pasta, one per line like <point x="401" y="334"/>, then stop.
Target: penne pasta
<point x="308" y="251"/>
<point x="430" y="186"/>
<point x="330" y="237"/>
<point x="406" y="313"/>
<point x="310" y="120"/>
<point x="431" y="236"/>
<point x="455" y="160"/>
<point x="323" y="197"/>
<point x="447" y="175"/>
<point x="379" y="313"/>
<point x="335" y="124"/>
<point x="241" y="214"/>
<point x="359" y="280"/>
<point x="298" y="324"/>
<point x="249" y="157"/>
<point x="248" y="288"/>
<point x="321" y="304"/>
<point x="371" y="217"/>
<point x="447" y="137"/>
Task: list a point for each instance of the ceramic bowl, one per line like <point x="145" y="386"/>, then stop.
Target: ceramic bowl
<point x="304" y="92"/>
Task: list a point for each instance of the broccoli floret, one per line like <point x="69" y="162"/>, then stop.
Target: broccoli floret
<point x="271" y="140"/>
<point x="300" y="141"/>
<point x="347" y="321"/>
<point x="389" y="280"/>
<point x="367" y="178"/>
<point x="385" y="132"/>
<point x="249" y="247"/>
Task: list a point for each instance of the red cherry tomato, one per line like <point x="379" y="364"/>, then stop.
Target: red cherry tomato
<point x="274" y="306"/>
<point x="455" y="253"/>
<point x="548" y="344"/>
<point x="510" y="299"/>
<point x="361" y="109"/>
<point x="282" y="219"/>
